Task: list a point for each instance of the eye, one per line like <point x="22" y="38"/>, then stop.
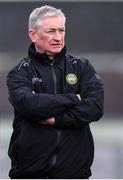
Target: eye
<point x="50" y="31"/>
<point x="61" y="31"/>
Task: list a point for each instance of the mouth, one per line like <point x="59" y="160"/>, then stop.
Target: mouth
<point x="57" y="45"/>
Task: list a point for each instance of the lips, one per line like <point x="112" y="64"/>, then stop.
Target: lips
<point x="56" y="44"/>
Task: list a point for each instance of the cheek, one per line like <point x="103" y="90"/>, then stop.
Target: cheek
<point x="45" y="40"/>
<point x="63" y="38"/>
<point x="42" y="38"/>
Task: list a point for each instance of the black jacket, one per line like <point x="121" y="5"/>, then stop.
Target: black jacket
<point x="39" y="89"/>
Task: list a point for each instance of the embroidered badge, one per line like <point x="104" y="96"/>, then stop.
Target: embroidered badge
<point x="71" y="78"/>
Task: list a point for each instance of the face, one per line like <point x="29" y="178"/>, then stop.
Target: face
<point x="49" y="38"/>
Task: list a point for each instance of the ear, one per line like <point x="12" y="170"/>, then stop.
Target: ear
<point x="32" y="35"/>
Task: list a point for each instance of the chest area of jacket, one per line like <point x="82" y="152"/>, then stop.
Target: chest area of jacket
<point x="55" y="79"/>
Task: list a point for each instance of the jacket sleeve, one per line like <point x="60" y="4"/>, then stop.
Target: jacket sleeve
<point x="91" y="107"/>
<point x="32" y="105"/>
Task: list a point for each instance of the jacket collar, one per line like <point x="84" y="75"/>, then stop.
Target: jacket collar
<point x="43" y="58"/>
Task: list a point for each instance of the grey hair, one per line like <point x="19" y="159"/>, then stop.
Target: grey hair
<point x="38" y="14"/>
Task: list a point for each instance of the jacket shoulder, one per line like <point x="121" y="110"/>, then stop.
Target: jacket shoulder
<point x="82" y="65"/>
<point x="23" y="64"/>
<point x="75" y="59"/>
<point x="21" y="69"/>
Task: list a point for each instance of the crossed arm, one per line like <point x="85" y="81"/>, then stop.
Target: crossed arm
<point x="51" y="121"/>
<point x="60" y="110"/>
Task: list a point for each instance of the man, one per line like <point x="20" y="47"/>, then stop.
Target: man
<point x="55" y="96"/>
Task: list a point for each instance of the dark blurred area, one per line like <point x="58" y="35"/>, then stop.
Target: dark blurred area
<point x="94" y="30"/>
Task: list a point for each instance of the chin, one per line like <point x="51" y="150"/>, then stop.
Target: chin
<point x="57" y="50"/>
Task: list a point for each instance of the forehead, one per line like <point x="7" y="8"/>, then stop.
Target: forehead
<point x="53" y="22"/>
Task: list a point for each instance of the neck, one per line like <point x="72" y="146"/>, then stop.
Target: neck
<point x="51" y="57"/>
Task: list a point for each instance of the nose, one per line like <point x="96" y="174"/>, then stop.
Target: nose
<point x="57" y="36"/>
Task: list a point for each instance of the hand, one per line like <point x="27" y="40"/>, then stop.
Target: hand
<point x="78" y="95"/>
<point x="49" y="121"/>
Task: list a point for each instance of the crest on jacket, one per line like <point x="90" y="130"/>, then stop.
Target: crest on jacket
<point x="71" y="78"/>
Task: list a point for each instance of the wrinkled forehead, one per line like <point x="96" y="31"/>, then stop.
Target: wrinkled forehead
<point x="53" y="21"/>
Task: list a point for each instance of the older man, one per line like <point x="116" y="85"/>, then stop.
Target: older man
<point x="55" y="96"/>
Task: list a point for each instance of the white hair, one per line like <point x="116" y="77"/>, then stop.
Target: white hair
<point x="38" y="14"/>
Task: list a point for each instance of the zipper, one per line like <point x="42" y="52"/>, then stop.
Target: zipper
<point x="54" y="158"/>
<point x="54" y="77"/>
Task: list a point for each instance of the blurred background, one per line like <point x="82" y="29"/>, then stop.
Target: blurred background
<point x="94" y="30"/>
